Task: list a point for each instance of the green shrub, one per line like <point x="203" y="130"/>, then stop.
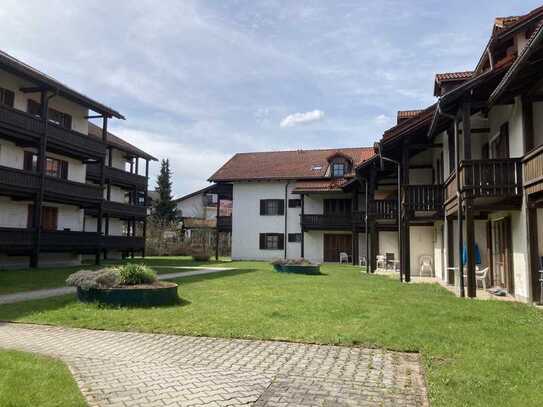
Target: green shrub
<point x="87" y="279"/>
<point x="134" y="274"/>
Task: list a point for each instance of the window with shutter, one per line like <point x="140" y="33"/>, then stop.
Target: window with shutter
<point x="294" y="203"/>
<point x="294" y="237"/>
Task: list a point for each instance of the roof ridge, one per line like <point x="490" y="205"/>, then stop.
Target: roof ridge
<point x="304" y="150"/>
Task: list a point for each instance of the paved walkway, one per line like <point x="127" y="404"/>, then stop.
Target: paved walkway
<point x="132" y="369"/>
<point x="55" y="292"/>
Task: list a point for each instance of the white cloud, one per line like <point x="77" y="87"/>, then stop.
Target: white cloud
<point x="382" y="120"/>
<point x="302" y="118"/>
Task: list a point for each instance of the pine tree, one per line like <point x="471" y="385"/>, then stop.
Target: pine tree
<point x="164" y="207"/>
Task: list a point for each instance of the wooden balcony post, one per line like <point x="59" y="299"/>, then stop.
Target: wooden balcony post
<point x="302" y="248"/>
<point x="405" y="239"/>
<point x="354" y="209"/>
<point x="145" y="202"/>
<point x="100" y="214"/>
<point x="217" y="228"/>
<point x="38" y="199"/>
<point x="533" y="245"/>
<point x="372" y="235"/>
<point x="468" y="207"/>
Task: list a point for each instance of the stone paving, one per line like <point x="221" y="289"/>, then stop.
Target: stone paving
<point x="56" y="292"/>
<point x="133" y="369"/>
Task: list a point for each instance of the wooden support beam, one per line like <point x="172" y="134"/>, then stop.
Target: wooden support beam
<point x="217" y="229"/>
<point x="405" y="239"/>
<point x="302" y="248"/>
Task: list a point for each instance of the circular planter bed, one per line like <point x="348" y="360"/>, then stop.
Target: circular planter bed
<point x="298" y="269"/>
<point x="161" y="293"/>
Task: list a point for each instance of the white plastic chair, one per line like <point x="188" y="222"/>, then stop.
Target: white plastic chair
<point x="480" y="275"/>
<point x="426" y="264"/>
<point x="343" y="257"/>
<point x="381" y="261"/>
<point x="362" y="261"/>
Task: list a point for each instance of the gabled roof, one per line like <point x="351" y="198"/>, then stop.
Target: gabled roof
<point x="409" y="125"/>
<point x="534" y="43"/>
<point x="275" y="165"/>
<point x="200" y="191"/>
<point x="19" y="68"/>
<point x="119" y="143"/>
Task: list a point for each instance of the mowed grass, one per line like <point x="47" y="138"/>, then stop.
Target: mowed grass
<point x="12" y="281"/>
<point x="31" y="380"/>
<point x="476" y="353"/>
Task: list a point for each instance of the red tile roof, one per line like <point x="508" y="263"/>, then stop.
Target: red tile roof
<point x="296" y="164"/>
<point x="406" y="114"/>
<point x="321" y="185"/>
<point x="453" y="76"/>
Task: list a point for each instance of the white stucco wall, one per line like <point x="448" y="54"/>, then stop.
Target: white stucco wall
<point x="118" y="159"/>
<point x="247" y="224"/>
<point x="422" y="243"/>
<point x="388" y="243"/>
<point x="192" y="207"/>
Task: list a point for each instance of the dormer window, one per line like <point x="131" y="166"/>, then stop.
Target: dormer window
<point x="338" y="170"/>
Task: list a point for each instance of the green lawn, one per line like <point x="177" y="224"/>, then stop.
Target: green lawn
<point x="476" y="353"/>
<point x="12" y="281"/>
<point x="31" y="380"/>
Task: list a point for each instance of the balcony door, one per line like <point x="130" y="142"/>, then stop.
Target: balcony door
<point x="499" y="144"/>
<point x="336" y="244"/>
<point x="502" y="264"/>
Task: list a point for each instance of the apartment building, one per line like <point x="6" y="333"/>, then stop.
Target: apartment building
<point x="459" y="182"/>
<point x="68" y="188"/>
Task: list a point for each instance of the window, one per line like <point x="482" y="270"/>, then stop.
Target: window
<point x="272" y="207"/>
<point x="272" y="241"/>
<point x="59" y="118"/>
<point x="53" y="166"/>
<point x="294" y="237"/>
<point x="338" y="170"/>
<point x="294" y="203"/>
<point x="7" y="97"/>
<point x="49" y="218"/>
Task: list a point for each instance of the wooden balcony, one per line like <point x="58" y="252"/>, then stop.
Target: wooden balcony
<point x="24" y="184"/>
<point x="20" y="241"/>
<point x="123" y="243"/>
<point x="23" y="127"/>
<point x="224" y="223"/>
<point x="491" y="178"/>
<point x="124" y="210"/>
<point x="384" y="209"/>
<point x="327" y="222"/>
<point x="533" y="170"/>
<point x="425" y="198"/>
<point x="117" y="177"/>
<point x="487" y="181"/>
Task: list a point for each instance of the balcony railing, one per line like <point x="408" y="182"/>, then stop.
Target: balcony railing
<point x="63" y="140"/>
<point x="123" y="243"/>
<point x="13" y="180"/>
<point x="425" y="198"/>
<point x="533" y="170"/>
<point x="327" y="221"/>
<point x="491" y="178"/>
<point x="384" y="208"/>
<point x="117" y="176"/>
<point x="14" y="240"/>
<point x="224" y="223"/>
<point x="124" y="210"/>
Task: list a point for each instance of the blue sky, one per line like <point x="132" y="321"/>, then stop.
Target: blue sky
<point x="201" y="80"/>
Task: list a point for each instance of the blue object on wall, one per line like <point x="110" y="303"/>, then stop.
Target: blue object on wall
<point x="477" y="255"/>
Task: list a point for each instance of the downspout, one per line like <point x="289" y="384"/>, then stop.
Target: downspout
<point x="366" y="228"/>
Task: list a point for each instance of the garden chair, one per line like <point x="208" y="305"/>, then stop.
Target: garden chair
<point x="480" y="275"/>
<point x="389" y="259"/>
<point x="362" y="261"/>
<point x="343" y="257"/>
<point x="426" y="264"/>
<point x="381" y="262"/>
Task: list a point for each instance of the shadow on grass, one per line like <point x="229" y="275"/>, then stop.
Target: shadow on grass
<point x="18" y="311"/>
<point x="210" y="276"/>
